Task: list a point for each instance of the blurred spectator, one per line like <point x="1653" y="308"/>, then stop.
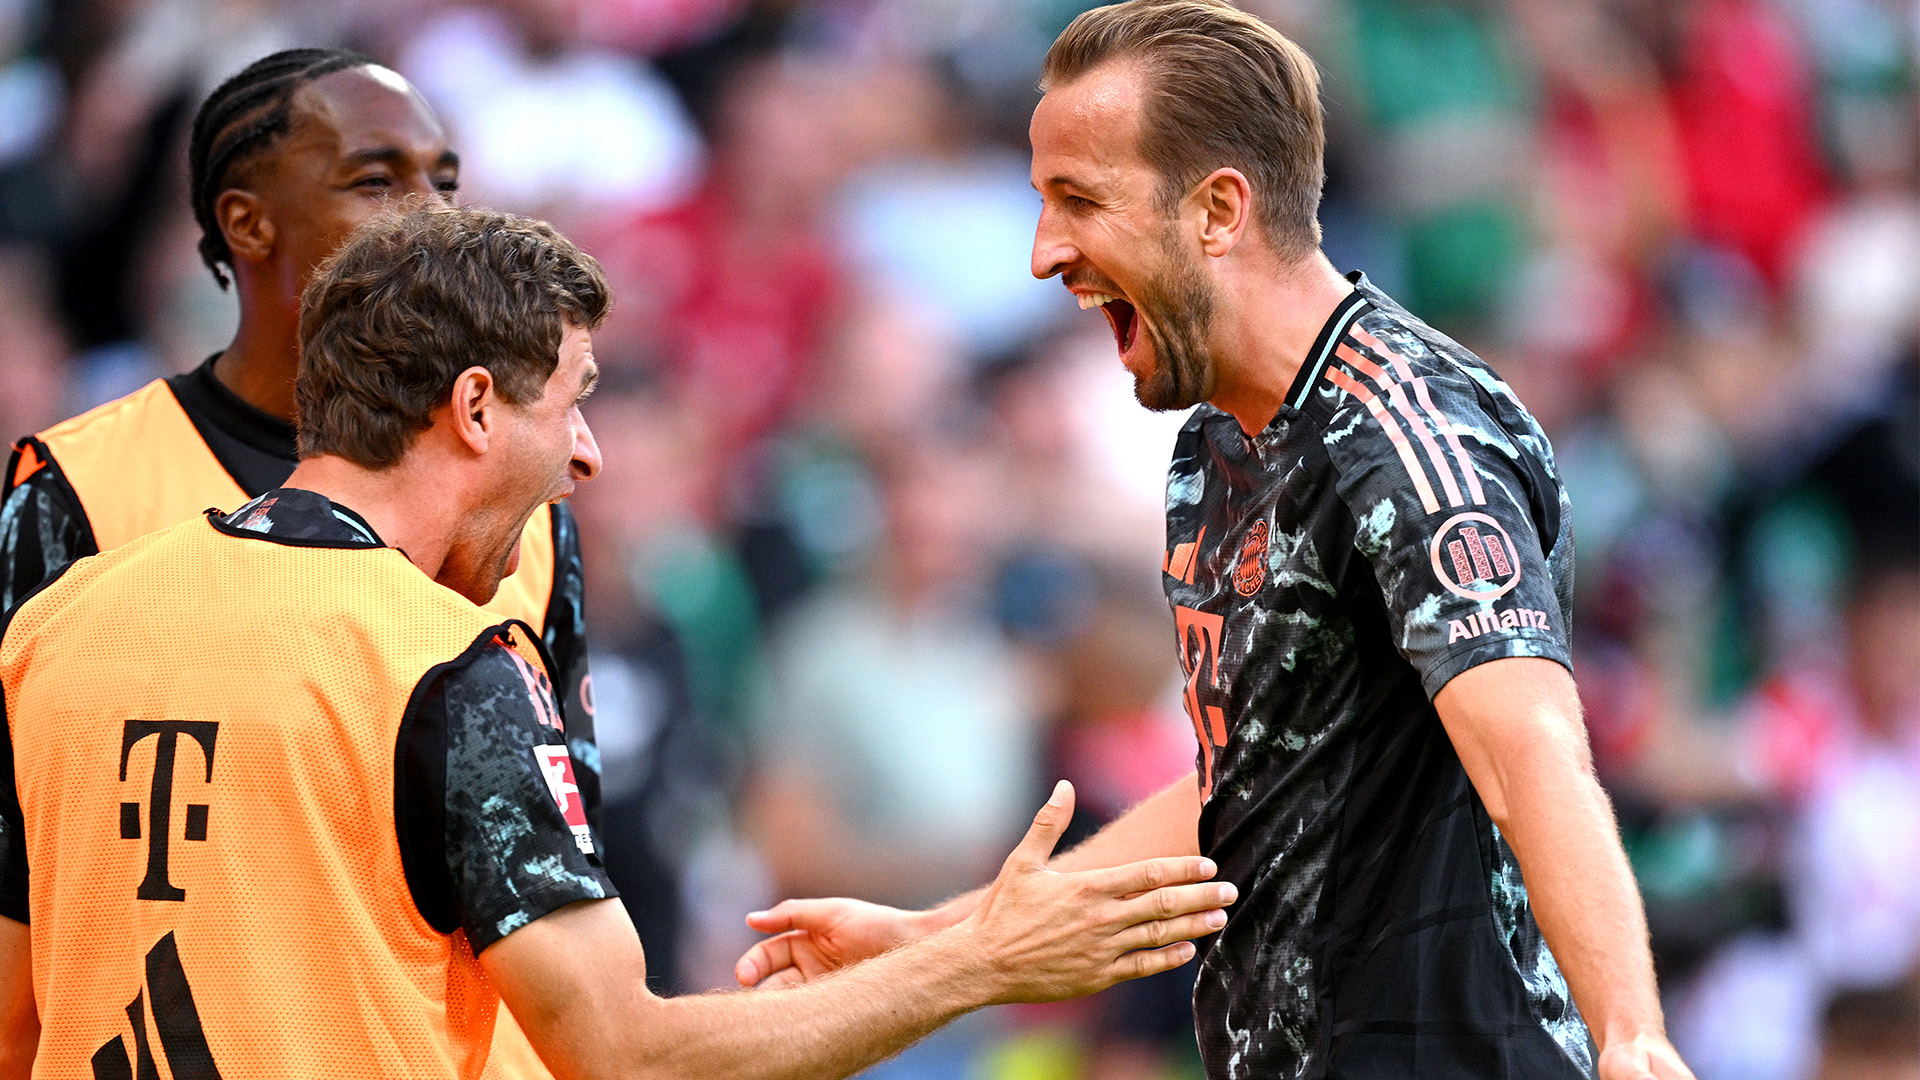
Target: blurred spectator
<point x="1871" y="1035"/>
<point x="896" y="749"/>
<point x="548" y="124"/>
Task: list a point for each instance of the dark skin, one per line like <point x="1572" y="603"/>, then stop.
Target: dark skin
<point x="361" y="140"/>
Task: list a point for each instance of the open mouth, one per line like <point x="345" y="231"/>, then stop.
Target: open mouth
<point x="1120" y="315"/>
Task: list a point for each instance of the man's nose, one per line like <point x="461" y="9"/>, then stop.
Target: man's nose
<point x="1051" y="251"/>
<point x="586" y="452"/>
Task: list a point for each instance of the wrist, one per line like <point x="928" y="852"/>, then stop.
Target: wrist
<point x="965" y="974"/>
<point x="1629" y="1032"/>
<point x="933" y="920"/>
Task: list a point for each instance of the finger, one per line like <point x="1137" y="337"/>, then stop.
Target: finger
<point x="1159" y="932"/>
<point x="785" y="977"/>
<point x="1139" y="965"/>
<point x="1037" y="846"/>
<point x="765" y="958"/>
<point x="787" y="915"/>
<point x="1176" y="900"/>
<point x="1149" y="874"/>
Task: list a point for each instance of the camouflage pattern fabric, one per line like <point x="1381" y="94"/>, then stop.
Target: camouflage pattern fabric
<point x="1399" y="522"/>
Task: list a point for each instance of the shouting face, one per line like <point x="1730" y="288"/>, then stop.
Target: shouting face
<point x="1106" y="229"/>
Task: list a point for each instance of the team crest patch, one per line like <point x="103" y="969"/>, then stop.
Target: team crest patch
<point x="1251" y="571"/>
<point x="1474" y="557"/>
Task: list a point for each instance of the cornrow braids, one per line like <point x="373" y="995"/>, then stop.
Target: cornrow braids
<point x="241" y="120"/>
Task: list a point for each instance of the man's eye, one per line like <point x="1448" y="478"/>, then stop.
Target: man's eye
<point x="1079" y="203"/>
<point x="373" y="182"/>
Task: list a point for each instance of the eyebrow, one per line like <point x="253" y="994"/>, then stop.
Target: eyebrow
<point x="389" y="155"/>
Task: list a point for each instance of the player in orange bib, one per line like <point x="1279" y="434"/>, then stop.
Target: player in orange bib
<point x="280" y="800"/>
<point x="285" y="159"/>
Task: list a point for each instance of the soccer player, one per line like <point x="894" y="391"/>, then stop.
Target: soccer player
<point x="289" y="804"/>
<point x="1369" y="566"/>
<point x="284" y="159"/>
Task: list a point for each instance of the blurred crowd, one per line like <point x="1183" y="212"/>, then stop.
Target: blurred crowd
<point x="875" y="554"/>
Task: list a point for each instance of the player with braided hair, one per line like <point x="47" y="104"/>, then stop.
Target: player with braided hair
<point x="285" y="159"/>
<point x="241" y="121"/>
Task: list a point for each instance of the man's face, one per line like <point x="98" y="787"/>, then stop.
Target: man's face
<point x="1104" y="230"/>
<point x="545" y="448"/>
<point x="534" y="455"/>
<point x="360" y="140"/>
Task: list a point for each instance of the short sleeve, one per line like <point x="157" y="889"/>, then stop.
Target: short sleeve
<point x="1449" y="510"/>
<point x="42" y="525"/>
<point x="493" y="827"/>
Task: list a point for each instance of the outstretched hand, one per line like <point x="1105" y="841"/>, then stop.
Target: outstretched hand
<point x="1045" y="935"/>
<point x="814" y="937"/>
<point x="1049" y="935"/>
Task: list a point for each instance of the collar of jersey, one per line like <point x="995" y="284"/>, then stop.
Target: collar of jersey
<point x="297" y="518"/>
<point x="1344" y="313"/>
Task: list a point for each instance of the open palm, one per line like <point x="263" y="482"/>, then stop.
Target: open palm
<point x="814" y="937"/>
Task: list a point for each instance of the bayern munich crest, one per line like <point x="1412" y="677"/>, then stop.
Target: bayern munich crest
<point x="1474" y="557"/>
<point x="1251" y="571"/>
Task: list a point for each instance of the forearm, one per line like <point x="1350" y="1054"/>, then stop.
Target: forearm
<point x="830" y="1028"/>
<point x="1581" y="888"/>
<point x="1165" y="823"/>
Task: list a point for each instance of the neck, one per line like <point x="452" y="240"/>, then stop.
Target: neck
<point x="1263" y="329"/>
<point x="405" y="510"/>
<point x="260" y="365"/>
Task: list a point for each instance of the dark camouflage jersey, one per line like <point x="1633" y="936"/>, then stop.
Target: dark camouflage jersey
<point x="488" y="812"/>
<point x="1398" y="522"/>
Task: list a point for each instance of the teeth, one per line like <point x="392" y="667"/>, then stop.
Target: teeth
<point x="1094" y="300"/>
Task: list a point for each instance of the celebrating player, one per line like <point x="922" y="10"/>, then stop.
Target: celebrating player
<point x="285" y="158"/>
<point x="289" y="804"/>
<point x="1370" y="572"/>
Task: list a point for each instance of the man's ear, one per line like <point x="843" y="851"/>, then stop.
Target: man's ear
<point x="1225" y="202"/>
<point x="473" y="409"/>
<point x="244" y="223"/>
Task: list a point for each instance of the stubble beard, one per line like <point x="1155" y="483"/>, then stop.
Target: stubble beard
<point x="1181" y="302"/>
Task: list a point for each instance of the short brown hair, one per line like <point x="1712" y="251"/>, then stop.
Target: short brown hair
<point x="1224" y="90"/>
<point x="412" y="300"/>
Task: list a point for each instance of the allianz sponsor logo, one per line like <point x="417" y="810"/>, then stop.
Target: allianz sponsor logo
<point x="1493" y="621"/>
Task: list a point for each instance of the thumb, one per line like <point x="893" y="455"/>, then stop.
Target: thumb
<point x="1037" y="846"/>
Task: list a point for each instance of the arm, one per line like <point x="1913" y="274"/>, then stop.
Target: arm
<point x="813" y="937"/>
<point x="42" y="525"/>
<point x="19" y="1017"/>
<point x="1035" y="935"/>
<point x="1516" y="725"/>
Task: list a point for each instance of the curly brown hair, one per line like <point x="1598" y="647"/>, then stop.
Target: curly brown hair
<point x="410" y="301"/>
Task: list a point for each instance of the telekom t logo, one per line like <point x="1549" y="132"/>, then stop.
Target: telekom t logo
<point x="155" y="885"/>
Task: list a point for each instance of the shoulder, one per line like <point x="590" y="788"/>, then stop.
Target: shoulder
<point x="1396" y="392"/>
<point x="491" y="688"/>
<point x="103" y="421"/>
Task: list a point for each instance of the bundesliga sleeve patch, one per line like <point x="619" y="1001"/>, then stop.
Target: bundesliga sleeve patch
<point x="556" y="768"/>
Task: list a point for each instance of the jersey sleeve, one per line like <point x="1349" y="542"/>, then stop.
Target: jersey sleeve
<point x="1450" y="510"/>
<point x="42" y="525"/>
<point x="493" y="828"/>
<point x="566" y="641"/>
